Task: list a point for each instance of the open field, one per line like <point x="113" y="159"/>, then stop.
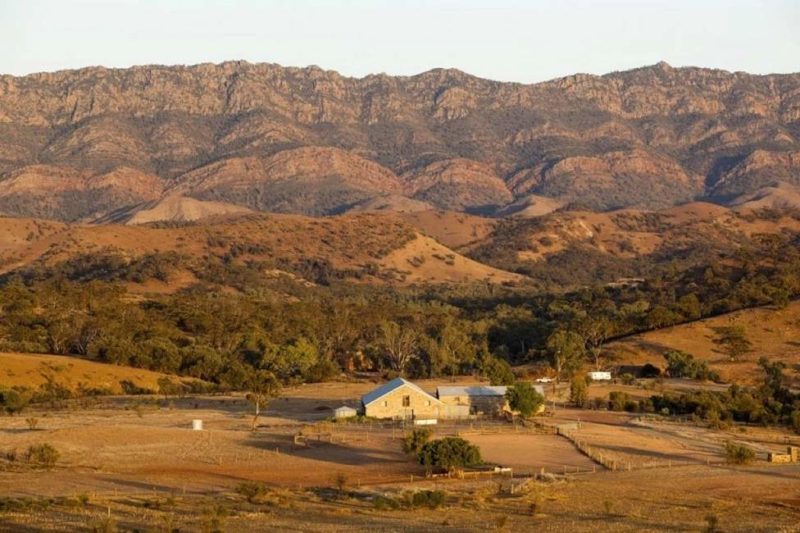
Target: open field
<point x="137" y="458"/>
<point x="527" y="454"/>
<point x="775" y="334"/>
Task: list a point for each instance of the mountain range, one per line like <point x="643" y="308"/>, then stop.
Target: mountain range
<point x="184" y="142"/>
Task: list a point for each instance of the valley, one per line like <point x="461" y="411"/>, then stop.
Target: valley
<point x="199" y="264"/>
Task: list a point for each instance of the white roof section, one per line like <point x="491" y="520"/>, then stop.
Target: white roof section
<point x="386" y="388"/>
<point x="473" y="390"/>
<point x="344" y="409"/>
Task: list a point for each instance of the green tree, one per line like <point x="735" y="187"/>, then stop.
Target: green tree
<point x="524" y="399"/>
<point x="496" y="370"/>
<point x="262" y="386"/>
<point x="414" y="441"/>
<point x="683" y="365"/>
<point x="733" y="341"/>
<point x="595" y="331"/>
<point x="689" y="306"/>
<point x="449" y="453"/>
<point x="578" y="391"/>
<point x="566" y="350"/>
<point x="399" y="344"/>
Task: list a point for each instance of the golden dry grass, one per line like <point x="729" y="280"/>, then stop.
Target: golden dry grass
<point x="424" y="260"/>
<point x="29" y="370"/>
<point x="139" y="459"/>
<point x="774" y="333"/>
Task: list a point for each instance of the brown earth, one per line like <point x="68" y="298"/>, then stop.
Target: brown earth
<point x="137" y="460"/>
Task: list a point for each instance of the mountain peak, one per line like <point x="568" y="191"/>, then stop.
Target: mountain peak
<point x="309" y="140"/>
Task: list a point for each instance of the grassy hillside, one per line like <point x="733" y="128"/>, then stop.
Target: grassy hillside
<point x="366" y="247"/>
<point x="33" y="370"/>
<point x="774" y="333"/>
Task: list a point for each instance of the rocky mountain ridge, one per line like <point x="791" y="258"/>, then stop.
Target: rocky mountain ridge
<point x="86" y="144"/>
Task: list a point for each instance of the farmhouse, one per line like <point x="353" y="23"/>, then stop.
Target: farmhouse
<point x="473" y="400"/>
<point x="401" y="399"/>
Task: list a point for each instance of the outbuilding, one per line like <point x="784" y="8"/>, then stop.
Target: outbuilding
<point x="472" y="400"/>
<point x="344" y="412"/>
<point x="600" y="376"/>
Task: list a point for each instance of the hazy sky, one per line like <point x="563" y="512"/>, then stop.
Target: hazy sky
<point x="511" y="40"/>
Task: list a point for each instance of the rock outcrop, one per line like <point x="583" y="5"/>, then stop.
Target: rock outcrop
<point x="312" y="141"/>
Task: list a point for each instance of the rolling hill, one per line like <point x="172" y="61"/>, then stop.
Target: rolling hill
<point x="368" y="247"/>
<point x="33" y="370"/>
<point x="773" y="332"/>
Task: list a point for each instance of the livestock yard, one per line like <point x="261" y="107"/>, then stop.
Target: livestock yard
<point x="134" y="462"/>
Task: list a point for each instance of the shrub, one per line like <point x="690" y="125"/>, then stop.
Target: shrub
<point x="42" y="456"/>
<point x="578" y="393"/>
<point x="449" y="453"/>
<point x="131" y="388"/>
<point x="322" y="370"/>
<point x="13" y="400"/>
<point x="684" y="365"/>
<point x="432" y="499"/>
<point x="617" y="400"/>
<point x="32" y="422"/>
<point x="383" y="503"/>
<point x="599" y="402"/>
<point x="340" y="480"/>
<point x="251" y="490"/>
<point x="738" y="454"/>
<point x="414" y="441"/>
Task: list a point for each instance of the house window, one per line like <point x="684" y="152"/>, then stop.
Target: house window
<point x="385" y="403"/>
<point x="428" y="403"/>
<point x="406" y="401"/>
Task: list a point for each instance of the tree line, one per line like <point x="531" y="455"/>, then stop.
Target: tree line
<point x="312" y="333"/>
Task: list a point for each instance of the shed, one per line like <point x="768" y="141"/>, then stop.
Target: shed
<point x="472" y="399"/>
<point x="600" y="376"/>
<point x="344" y="412"/>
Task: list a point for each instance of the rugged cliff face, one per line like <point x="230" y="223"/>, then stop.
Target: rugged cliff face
<point x="80" y="145"/>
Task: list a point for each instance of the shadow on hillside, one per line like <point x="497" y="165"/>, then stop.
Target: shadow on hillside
<point x="649" y="346"/>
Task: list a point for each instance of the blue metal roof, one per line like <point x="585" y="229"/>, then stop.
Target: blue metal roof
<point x="386" y="388"/>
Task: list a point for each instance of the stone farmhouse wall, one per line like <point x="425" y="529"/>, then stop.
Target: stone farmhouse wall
<point x="392" y="405"/>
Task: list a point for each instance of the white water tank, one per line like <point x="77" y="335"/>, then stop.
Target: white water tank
<point x="197" y="425"/>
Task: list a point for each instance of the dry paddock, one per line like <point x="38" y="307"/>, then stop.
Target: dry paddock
<point x="126" y="453"/>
